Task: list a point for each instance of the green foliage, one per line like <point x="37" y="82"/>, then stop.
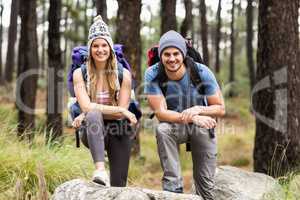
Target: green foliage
<point x="293" y="191"/>
<point x="240" y="86"/>
<point x="291" y="185"/>
<point x="241" y="161"/>
<point x="9" y="116"/>
<point x="42" y="83"/>
<point x="150" y="39"/>
<point x="20" y="160"/>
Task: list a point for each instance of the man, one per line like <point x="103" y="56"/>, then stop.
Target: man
<point x="184" y="114"/>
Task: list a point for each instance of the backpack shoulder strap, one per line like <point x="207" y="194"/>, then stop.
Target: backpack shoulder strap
<point x="195" y="76"/>
<point x="120" y="73"/>
<point x="162" y="78"/>
<point x="84" y="72"/>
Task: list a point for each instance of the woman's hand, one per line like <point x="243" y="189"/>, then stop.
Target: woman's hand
<point x="204" y="121"/>
<point x="130" y="116"/>
<point x="78" y="120"/>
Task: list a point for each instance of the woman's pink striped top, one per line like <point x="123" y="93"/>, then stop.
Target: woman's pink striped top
<point x="103" y="98"/>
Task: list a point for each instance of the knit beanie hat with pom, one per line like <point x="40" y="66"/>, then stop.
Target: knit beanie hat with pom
<point x="99" y="29"/>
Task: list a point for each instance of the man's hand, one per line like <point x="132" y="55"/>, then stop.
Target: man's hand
<point x="188" y="114"/>
<point x="204" y="121"/>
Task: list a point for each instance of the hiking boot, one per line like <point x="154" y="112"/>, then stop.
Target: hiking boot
<point x="101" y="177"/>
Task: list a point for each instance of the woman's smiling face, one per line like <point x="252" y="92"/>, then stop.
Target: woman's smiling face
<point x="100" y="50"/>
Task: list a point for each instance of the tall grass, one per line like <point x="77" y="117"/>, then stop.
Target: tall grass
<point x="23" y="165"/>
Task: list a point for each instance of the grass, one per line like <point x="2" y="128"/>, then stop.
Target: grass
<point x="23" y="166"/>
<point x="21" y="163"/>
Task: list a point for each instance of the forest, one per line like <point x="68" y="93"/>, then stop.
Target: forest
<point x="251" y="46"/>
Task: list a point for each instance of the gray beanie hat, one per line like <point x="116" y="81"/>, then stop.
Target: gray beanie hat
<point x="172" y="39"/>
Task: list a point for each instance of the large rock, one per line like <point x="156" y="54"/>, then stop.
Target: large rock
<point x="81" y="190"/>
<point x="235" y="184"/>
<point x="231" y="184"/>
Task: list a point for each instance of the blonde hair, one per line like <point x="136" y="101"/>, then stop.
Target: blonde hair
<point x="111" y="74"/>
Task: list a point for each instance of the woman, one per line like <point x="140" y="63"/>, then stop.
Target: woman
<point x="104" y="103"/>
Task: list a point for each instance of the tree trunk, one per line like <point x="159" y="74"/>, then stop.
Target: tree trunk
<point x="218" y="37"/>
<point x="66" y="53"/>
<point x="276" y="94"/>
<point x="27" y="67"/>
<point x="128" y="34"/>
<point x="86" y="24"/>
<point x="250" y="60"/>
<point x="204" y="27"/>
<point x="187" y="24"/>
<point x="77" y="23"/>
<point x="55" y="73"/>
<point x="232" y="53"/>
<point x="102" y="9"/>
<point x="168" y="16"/>
<point x="239" y="8"/>
<point x="12" y="36"/>
<point x="43" y="37"/>
<point x="1" y="41"/>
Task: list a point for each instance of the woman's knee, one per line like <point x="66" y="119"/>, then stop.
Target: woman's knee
<point x="93" y="116"/>
<point x="94" y="124"/>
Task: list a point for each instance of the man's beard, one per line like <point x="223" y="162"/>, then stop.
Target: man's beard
<point x="175" y="70"/>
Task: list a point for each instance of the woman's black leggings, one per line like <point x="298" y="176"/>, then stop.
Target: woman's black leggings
<point x="116" y="137"/>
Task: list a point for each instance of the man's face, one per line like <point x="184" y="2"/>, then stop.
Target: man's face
<point x="172" y="59"/>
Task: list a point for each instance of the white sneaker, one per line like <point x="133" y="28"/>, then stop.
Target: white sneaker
<point x="101" y="177"/>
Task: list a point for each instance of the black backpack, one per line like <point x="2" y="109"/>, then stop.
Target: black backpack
<point x="192" y="56"/>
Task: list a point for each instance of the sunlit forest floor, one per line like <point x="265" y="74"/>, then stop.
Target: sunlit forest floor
<point x="24" y="165"/>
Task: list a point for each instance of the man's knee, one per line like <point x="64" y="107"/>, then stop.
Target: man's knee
<point x="205" y="164"/>
<point x="163" y="129"/>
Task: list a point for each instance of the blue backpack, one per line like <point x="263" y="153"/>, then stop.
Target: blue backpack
<point x="79" y="57"/>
